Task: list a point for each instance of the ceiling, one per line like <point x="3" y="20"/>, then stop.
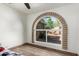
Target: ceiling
<point x="35" y="7"/>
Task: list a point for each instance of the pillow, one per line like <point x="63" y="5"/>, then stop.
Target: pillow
<point x="2" y="49"/>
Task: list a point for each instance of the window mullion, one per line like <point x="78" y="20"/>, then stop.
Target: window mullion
<point x="46" y="35"/>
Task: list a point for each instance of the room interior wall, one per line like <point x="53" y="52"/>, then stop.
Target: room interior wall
<point x="23" y="17"/>
<point x="11" y="27"/>
<point x="71" y="15"/>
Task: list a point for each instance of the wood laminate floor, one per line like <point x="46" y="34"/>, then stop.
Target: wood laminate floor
<point x="29" y="50"/>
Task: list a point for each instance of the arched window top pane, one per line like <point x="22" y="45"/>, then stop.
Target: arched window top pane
<point x="48" y="22"/>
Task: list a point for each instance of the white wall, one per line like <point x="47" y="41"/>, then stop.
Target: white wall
<point x="71" y="15"/>
<point x="11" y="28"/>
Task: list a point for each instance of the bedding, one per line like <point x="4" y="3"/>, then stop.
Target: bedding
<point x="5" y="52"/>
<point x="9" y="53"/>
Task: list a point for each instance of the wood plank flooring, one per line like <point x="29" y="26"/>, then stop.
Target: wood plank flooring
<point x="29" y="50"/>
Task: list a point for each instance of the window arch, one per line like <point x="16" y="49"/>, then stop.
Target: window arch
<point x="63" y="23"/>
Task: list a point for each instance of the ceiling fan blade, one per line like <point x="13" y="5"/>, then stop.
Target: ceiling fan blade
<point x="27" y="5"/>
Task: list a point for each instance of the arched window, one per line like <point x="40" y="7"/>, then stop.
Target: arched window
<point x="50" y="28"/>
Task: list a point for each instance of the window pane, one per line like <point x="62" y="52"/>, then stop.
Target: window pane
<point x="52" y="38"/>
<point x="48" y="22"/>
<point x="41" y="36"/>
